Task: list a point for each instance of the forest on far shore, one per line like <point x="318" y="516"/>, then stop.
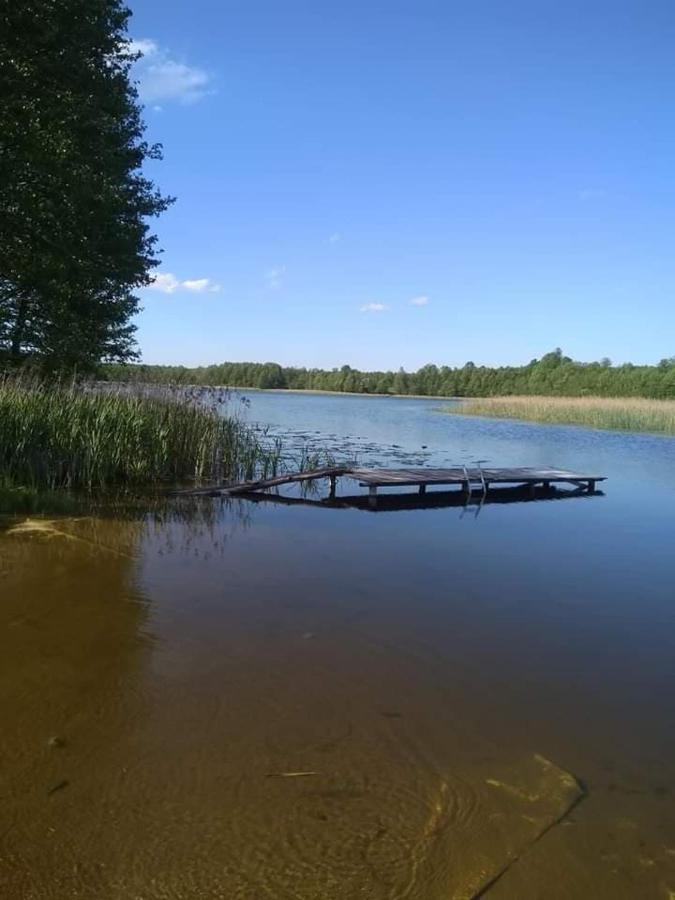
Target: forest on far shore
<point x="552" y="375"/>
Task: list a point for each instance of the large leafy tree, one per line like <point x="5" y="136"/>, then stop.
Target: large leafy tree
<point x="75" y="205"/>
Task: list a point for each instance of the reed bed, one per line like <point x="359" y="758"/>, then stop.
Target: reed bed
<point x="617" y="413"/>
<point x="57" y="435"/>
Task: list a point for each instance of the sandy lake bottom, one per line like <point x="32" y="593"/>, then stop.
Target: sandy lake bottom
<point x="236" y="700"/>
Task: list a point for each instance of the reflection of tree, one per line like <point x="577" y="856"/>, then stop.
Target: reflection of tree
<point x="71" y="606"/>
<point x="78" y="640"/>
<point x="199" y="526"/>
<point x="71" y="644"/>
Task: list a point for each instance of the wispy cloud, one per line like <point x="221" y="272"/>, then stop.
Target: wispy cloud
<point x="374" y="308"/>
<point x="168" y="283"/>
<point x="144" y="46"/>
<point x="199" y="285"/>
<point x="335" y="238"/>
<point x="274" y="277"/>
<point x="419" y="301"/>
<point x="161" y="77"/>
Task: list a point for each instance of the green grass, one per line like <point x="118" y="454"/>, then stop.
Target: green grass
<point x="617" y="413"/>
<point x="57" y="435"/>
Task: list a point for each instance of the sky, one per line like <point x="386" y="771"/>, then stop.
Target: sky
<point x="384" y="183"/>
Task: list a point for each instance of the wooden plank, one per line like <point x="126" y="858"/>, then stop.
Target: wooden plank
<point x="412" y="477"/>
<point x="415" y="477"/>
<point x="265" y="483"/>
<point x="289" y="478"/>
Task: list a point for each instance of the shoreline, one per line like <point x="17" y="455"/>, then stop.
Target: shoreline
<point x="634" y="415"/>
<point x="240" y="389"/>
<point x="347" y="394"/>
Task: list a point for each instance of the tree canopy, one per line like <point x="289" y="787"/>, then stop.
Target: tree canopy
<point x="553" y="375"/>
<point x="74" y="205"/>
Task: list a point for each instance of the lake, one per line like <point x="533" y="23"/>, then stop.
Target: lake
<point x="228" y="699"/>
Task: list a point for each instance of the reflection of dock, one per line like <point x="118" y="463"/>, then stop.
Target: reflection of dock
<point x="431" y="500"/>
<point x="531" y="482"/>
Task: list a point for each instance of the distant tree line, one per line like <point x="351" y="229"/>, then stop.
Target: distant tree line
<point x="552" y="375"/>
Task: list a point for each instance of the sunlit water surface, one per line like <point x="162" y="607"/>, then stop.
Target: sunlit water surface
<point x="238" y="700"/>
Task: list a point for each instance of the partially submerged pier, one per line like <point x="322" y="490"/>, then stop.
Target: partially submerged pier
<point x="469" y="480"/>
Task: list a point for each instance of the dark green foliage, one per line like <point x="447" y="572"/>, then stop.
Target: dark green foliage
<point x="74" y="204"/>
<point x="552" y="375"/>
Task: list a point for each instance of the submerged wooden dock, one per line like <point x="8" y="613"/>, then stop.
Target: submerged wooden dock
<point x="469" y="479"/>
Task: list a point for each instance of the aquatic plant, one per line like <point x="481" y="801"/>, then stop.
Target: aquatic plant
<point x="618" y="413"/>
<point x="55" y="435"/>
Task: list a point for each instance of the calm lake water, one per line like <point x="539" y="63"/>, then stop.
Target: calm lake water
<point x="249" y="700"/>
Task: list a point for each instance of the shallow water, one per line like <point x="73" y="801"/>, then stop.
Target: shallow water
<point x="245" y="700"/>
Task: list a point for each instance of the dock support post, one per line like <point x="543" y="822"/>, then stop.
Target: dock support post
<point x="591" y="486"/>
<point x="372" y="496"/>
<point x="423" y="489"/>
<point x="466" y="484"/>
<point x="332" y="480"/>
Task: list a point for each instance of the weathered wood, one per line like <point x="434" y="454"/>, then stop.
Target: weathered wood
<point x="263" y="484"/>
<point x="288" y="478"/>
<point x="373" y="478"/>
<point x="464" y="475"/>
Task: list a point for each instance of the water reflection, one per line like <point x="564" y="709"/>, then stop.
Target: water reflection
<point x="480" y="702"/>
<point x="74" y="642"/>
<point x="76" y="652"/>
<point x="413" y="500"/>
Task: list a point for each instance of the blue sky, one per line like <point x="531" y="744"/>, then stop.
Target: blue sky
<point x="395" y="183"/>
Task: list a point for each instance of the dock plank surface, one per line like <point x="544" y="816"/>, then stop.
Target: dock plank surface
<point x="459" y="475"/>
<point x="374" y="478"/>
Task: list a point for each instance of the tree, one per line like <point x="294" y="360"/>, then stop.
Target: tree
<point x="271" y="376"/>
<point x="400" y="384"/>
<point x="74" y="238"/>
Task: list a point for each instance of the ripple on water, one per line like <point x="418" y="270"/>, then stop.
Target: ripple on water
<point x="389" y="826"/>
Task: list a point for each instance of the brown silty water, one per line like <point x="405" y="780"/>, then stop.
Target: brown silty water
<point x="243" y="704"/>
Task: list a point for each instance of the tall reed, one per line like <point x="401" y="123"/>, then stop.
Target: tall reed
<point x="55" y="435"/>
<point x="619" y="413"/>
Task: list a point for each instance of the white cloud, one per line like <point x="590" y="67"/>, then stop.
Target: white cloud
<point x="275" y="277"/>
<point x="200" y="285"/>
<point x="171" y="80"/>
<point x="374" y="308"/>
<point x="161" y="77"/>
<point x="334" y="238"/>
<point x="419" y="301"/>
<point x="167" y="283"/>
<point x="144" y="46"/>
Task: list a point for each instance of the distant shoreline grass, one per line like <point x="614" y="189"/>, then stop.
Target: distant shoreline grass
<point x="635" y="414"/>
<point x="55" y="435"/>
